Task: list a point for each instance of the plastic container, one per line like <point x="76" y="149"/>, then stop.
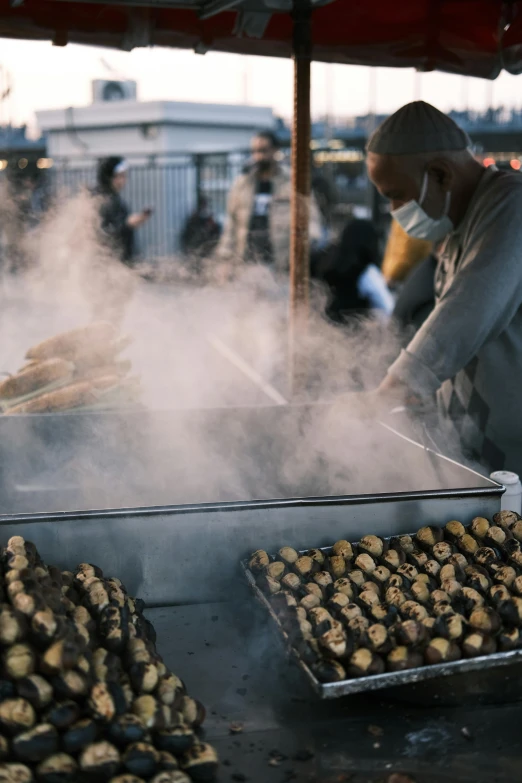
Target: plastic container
<point x="512" y="497"/>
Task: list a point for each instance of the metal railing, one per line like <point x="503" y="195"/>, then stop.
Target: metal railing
<point x="169" y="184"/>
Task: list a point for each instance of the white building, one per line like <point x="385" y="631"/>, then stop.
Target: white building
<point x="161" y="140"/>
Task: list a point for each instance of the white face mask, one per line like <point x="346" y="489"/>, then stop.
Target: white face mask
<point x="417" y="223"/>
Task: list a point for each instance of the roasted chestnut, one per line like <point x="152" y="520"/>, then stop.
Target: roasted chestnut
<point x="321" y="620"/>
<point x="63" y="714"/>
<point x="499" y="593"/>
<point x="476" y="644"/>
<point x="440" y="650"/>
<point x="329" y="671"/>
<point x="454" y="530"/>
<point x="378" y="638"/>
<point x="343" y="549"/>
<point x="505" y="575"/>
<point x="317" y="557"/>
<point x="350" y="612"/>
<point x="442" y="551"/>
<point x="13" y="626"/>
<point x="373" y="545"/>
<point x="510" y="612"/>
<point x="382" y="574"/>
<point x="288" y="556"/>
<point x="79" y="735"/>
<point x="410" y="633"/>
<point x="485" y="619"/>
<point x="473" y="598"/>
<point x="383" y="614"/>
<point x="310" y="601"/>
<point x="100" y="759"/>
<point x="15" y="773"/>
<point x="365" y="662"/>
<point x="63" y="654"/>
<point x="70" y="685"/>
<point x="402" y="542"/>
<point x="428" y="536"/>
<point x="516" y="530"/>
<point x="496" y="537"/>
<point x="369" y="598"/>
<point x="486" y="556"/>
<point x="365" y="563"/>
<point x="418" y="558"/>
<point x="141" y="759"/>
<point x="291" y="582"/>
<point x="334" y="642"/>
<point x="337" y="602"/>
<point x="323" y="579"/>
<point x="395" y="596"/>
<point x="451" y="587"/>
<point x="258" y="561"/>
<point x="479" y="527"/>
<point x="337" y="566"/>
<point x="394" y="558"/>
<point x="19" y="661"/>
<point x="276" y="570"/>
<point x="402" y="658"/>
<point x="16" y="715"/>
<point x="442" y="607"/>
<point x="37" y="743"/>
<point x="150" y="712"/>
<point x="409" y="571"/>
<point x="432" y="568"/>
<point x="176" y="740"/>
<point x="344" y="586"/>
<point x="413" y="610"/>
<point x="59" y="768"/>
<point x="510" y="639"/>
<point x="305" y="566"/>
<point x="420" y="592"/>
<point x="357" y="577"/>
<point x="506" y="518"/>
<point x="450" y="626"/>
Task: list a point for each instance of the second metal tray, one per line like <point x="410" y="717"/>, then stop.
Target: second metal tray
<point x="376" y="682"/>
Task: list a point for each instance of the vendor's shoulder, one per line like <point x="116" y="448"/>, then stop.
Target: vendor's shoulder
<point x="505" y="183"/>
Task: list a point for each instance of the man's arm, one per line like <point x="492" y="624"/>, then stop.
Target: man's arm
<point x="479" y="304"/>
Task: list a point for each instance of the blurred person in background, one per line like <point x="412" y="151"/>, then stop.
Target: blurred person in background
<point x="118" y="224"/>
<point x="200" y="233"/>
<point x="351" y="270"/>
<point x="257" y="227"/>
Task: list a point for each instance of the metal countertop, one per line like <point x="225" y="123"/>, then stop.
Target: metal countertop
<point x="231" y="661"/>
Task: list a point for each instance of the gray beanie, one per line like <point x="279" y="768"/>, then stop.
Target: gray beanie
<point x="417" y="127"/>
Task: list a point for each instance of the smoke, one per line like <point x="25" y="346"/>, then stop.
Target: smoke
<point x="213" y="361"/>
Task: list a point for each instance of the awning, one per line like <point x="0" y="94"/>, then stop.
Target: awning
<point x="472" y="37"/>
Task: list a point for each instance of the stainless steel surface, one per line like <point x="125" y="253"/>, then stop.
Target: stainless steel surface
<point x="378" y="682"/>
<point x="73" y="462"/>
<point x="226" y="654"/>
<point x="187" y="554"/>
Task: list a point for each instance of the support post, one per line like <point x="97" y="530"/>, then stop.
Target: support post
<point x="300" y="198"/>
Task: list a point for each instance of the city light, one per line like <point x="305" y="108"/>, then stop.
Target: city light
<point x="44" y="163"/>
<point x="22" y="163"/>
<point x="3" y="164"/>
<point x="488" y="162"/>
<point x="515" y="164"/>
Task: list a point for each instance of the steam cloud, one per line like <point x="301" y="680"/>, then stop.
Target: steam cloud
<point x="209" y="432"/>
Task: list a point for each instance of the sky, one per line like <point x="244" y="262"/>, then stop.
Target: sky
<point x="46" y="77"/>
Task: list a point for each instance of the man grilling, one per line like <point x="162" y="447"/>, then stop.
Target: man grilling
<point x="469" y="350"/>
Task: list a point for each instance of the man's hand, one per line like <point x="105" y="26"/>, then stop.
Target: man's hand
<point x="378" y="402"/>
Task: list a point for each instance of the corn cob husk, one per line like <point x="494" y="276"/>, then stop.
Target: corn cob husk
<point x="36" y="376"/>
<point x="73" y="395"/>
<point x="72" y="344"/>
<point x="101" y="355"/>
<point x="119" y="369"/>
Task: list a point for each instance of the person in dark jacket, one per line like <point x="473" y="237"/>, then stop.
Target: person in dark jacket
<point x="117" y="222"/>
<point x="200" y="233"/>
<point x="351" y="270"/>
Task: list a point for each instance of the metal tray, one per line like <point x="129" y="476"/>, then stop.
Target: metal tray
<point x="375" y="682"/>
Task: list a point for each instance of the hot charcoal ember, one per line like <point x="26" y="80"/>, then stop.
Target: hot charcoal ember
<point x="378" y="605"/>
<point x="84" y="694"/>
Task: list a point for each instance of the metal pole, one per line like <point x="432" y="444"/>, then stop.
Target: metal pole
<point x="300" y="197"/>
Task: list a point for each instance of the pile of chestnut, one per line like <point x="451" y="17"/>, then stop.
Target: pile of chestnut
<point x="84" y="694"/>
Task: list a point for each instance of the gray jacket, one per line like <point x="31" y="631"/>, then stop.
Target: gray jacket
<point x="233" y="245"/>
<point x="470" y="347"/>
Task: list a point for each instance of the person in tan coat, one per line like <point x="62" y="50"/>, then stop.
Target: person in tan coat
<point x="257" y="228"/>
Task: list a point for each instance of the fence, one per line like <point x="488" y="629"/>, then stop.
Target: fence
<point x="168" y="184"/>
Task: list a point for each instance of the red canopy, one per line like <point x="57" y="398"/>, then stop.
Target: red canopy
<point x="474" y="37"/>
